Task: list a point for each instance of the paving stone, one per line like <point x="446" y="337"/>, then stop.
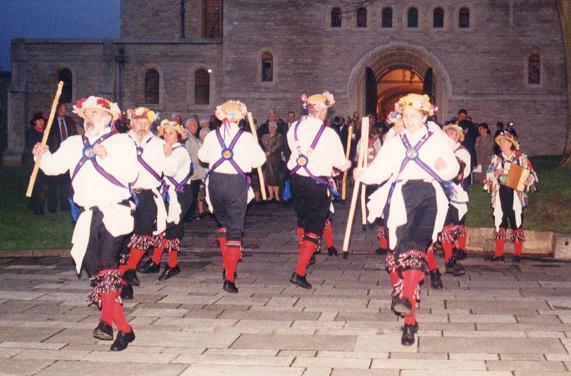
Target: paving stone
<point x="235" y="359"/>
<point x="353" y="363"/>
<point x="506" y="365"/>
<point x="381" y="344"/>
<point x="73" y="368"/>
<point x="494" y="345"/>
<point x="294" y="342"/>
<point x="467" y="365"/>
<point x="23" y="366"/>
<point x="232" y="370"/>
<point x="365" y="372"/>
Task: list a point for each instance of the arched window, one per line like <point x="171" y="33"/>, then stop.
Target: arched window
<point x="464" y="18"/>
<point x="267" y="67"/>
<point x="212" y="19"/>
<point x="336" y="17"/>
<point x="412" y="17"/>
<point x="67" y="91"/>
<point x="534" y="69"/>
<point x="438" y="18"/>
<point x="152" y="80"/>
<point x="362" y="17"/>
<point x="387" y="17"/>
<point x="201" y="86"/>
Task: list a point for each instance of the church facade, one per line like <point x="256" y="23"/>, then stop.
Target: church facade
<point x="501" y="60"/>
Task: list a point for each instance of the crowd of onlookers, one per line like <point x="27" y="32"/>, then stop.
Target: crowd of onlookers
<point x="54" y="192"/>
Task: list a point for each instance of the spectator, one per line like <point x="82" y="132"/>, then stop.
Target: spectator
<point x="264" y="128"/>
<point x="273" y="143"/>
<point x="34" y="135"/>
<point x="470" y="134"/>
<point x="192" y="144"/>
<point x="484" y="150"/>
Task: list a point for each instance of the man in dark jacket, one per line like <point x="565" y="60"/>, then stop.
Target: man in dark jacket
<point x="470" y="135"/>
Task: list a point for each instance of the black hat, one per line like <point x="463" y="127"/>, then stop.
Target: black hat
<point x="37" y="115"/>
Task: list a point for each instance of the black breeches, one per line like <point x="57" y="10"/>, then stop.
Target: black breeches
<point x="103" y="248"/>
<point x="311" y="203"/>
<point x="420" y="204"/>
<point x="145" y="213"/>
<point x="185" y="199"/>
<point x="506" y="200"/>
<point x="228" y="195"/>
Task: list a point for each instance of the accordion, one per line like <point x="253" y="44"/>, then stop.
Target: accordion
<point x="515" y="178"/>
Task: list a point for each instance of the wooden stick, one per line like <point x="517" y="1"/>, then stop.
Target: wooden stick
<point x="260" y="174"/>
<point x="364" y="149"/>
<point x="364" y="135"/>
<point x="347" y="154"/>
<point x="36" y="169"/>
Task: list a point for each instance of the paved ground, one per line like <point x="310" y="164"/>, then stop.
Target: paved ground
<point x="499" y="319"/>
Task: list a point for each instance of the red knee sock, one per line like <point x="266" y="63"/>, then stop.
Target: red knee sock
<point x="431" y="260"/>
<point x="231" y="258"/>
<point x="394" y="277"/>
<point x="411" y="279"/>
<point x="447" y="248"/>
<point x="119" y="316"/>
<point x="107" y="302"/>
<point x="518" y="246"/>
<point x="222" y="239"/>
<point x="123" y="268"/>
<point x="299" y="232"/>
<point x="157" y="254"/>
<point x="306" y="250"/>
<point x="500" y="243"/>
<point x="462" y="243"/>
<point x="411" y="319"/>
<point x="328" y="234"/>
<point x="173" y="259"/>
<point x="134" y="258"/>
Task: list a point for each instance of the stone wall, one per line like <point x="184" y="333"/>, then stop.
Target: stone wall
<point x="4" y="86"/>
<point x="481" y="69"/>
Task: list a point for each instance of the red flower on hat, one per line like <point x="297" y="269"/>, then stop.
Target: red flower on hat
<point x="80" y="102"/>
<point x="104" y="103"/>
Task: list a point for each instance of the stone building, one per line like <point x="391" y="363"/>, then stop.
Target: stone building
<point x="503" y="60"/>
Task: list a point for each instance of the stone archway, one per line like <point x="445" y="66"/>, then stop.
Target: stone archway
<point x="387" y="57"/>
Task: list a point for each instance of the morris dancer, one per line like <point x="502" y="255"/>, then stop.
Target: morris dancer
<point x="413" y="167"/>
<point x="178" y="193"/>
<point x="508" y="203"/>
<point x="454" y="228"/>
<point x="102" y="164"/>
<point x="153" y="164"/>
<point x="316" y="150"/>
<point x="231" y="154"/>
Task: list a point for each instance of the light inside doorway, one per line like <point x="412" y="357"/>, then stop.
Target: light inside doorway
<point x="394" y="83"/>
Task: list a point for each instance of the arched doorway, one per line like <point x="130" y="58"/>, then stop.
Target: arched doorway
<point x="387" y="72"/>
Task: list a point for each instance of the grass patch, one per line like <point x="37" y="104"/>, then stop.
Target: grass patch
<point x="20" y="228"/>
<point x="549" y="208"/>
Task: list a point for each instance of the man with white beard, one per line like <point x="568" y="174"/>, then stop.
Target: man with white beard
<point x="102" y="164"/>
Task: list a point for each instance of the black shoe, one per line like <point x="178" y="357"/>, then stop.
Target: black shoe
<point x="149" y="267"/>
<point x="169" y="272"/>
<point x="299" y="280"/>
<point x="495" y="258"/>
<point x="130" y="276"/>
<point x="103" y="331"/>
<point x="127" y="292"/>
<point x="459" y="254"/>
<point x="312" y="260"/>
<point x="435" y="280"/>
<point x="381" y="251"/>
<point x="516" y="259"/>
<point x="123" y="340"/>
<point x="401" y="307"/>
<point x="455" y="268"/>
<point x="408" y="332"/>
<point x="345" y="255"/>
<point x="230" y="287"/>
<point x="332" y="251"/>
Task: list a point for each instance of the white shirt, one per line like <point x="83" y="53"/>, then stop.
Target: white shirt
<point x="181" y="158"/>
<point x="154" y="156"/>
<point x="247" y="152"/>
<point x="464" y="155"/>
<point x="388" y="162"/>
<point x="89" y="186"/>
<point x="328" y="152"/>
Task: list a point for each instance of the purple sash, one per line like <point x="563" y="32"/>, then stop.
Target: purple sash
<point x="227" y="154"/>
<point x="145" y="165"/>
<point x="303" y="160"/>
<point x="89" y="155"/>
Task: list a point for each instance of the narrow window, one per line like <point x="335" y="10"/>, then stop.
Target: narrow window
<point x="67" y="91"/>
<point x="438" y="18"/>
<point x="201" y="87"/>
<point x="336" y="17"/>
<point x="464" y="18"/>
<point x="152" y="79"/>
<point x="362" y="17"/>
<point x="267" y="67"/>
<point x="412" y="19"/>
<point x="387" y="17"/>
<point x="534" y="69"/>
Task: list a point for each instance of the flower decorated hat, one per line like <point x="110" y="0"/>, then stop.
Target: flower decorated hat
<point x="98" y="103"/>
<point x="231" y="111"/>
<point x="510" y="135"/>
<point x="165" y="124"/>
<point x="141" y="113"/>
<point x="318" y="102"/>
<point x="416" y="101"/>
<point x="457" y="128"/>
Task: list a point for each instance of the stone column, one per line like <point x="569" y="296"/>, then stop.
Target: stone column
<point x="17" y="104"/>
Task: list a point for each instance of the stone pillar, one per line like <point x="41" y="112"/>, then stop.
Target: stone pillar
<point x="565" y="16"/>
<point x="17" y="104"/>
